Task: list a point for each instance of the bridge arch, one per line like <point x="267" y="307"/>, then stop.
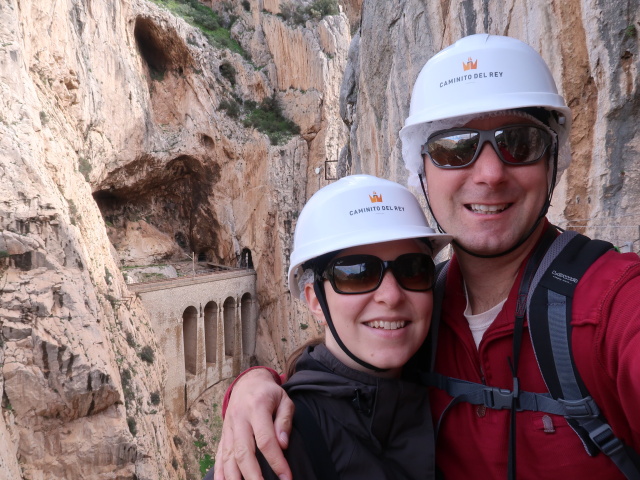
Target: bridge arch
<point x="248" y="325"/>
<point x="229" y="328"/>
<point x="190" y="339"/>
<point x="211" y="331"/>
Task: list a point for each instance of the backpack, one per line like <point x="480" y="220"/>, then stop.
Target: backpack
<point x="545" y="294"/>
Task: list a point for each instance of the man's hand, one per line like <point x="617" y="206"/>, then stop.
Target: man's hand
<point x="259" y="414"/>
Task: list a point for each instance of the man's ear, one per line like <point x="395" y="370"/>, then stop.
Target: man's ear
<point x="314" y="304"/>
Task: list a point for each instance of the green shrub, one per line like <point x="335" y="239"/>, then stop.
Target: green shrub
<point x="133" y="427"/>
<point x="206" y="463"/>
<point x="231" y="107"/>
<point x="630" y="31"/>
<point x="149" y="276"/>
<point x="156" y="75"/>
<point x="155" y="398"/>
<point x="300" y="14"/>
<point x="125" y="375"/>
<point x="147" y="354"/>
<point x="73" y="213"/>
<point x="84" y="167"/>
<point x="268" y="119"/>
<point x="323" y="8"/>
<point x="127" y="387"/>
<point x="229" y="72"/>
<point x="112" y="300"/>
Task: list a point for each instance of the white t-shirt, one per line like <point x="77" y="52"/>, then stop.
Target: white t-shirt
<point x="480" y="322"/>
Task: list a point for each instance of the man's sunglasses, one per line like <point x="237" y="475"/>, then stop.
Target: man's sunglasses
<point x="353" y="274"/>
<point x="514" y="144"/>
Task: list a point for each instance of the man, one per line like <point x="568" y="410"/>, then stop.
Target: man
<point x="488" y="134"/>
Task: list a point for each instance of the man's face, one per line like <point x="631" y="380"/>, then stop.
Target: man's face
<point x="489" y="206"/>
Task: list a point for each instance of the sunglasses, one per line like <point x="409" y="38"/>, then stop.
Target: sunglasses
<point x="354" y="274"/>
<point x="514" y="144"/>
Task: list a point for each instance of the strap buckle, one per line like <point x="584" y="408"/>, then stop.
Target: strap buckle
<point x="606" y="441"/>
<point x="498" y="398"/>
<point x="579" y="409"/>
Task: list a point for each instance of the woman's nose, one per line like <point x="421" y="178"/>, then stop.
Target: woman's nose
<point x="389" y="291"/>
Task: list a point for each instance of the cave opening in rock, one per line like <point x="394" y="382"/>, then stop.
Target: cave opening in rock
<point x="163" y="212"/>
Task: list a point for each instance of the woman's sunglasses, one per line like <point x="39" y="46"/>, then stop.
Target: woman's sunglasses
<point x="514" y="144"/>
<point x="353" y="274"/>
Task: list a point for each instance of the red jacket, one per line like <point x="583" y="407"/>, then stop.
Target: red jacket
<point x="473" y="441"/>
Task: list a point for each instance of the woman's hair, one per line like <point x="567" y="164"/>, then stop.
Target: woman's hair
<point x="290" y="367"/>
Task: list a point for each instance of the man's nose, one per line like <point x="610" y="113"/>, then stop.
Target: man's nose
<point x="488" y="168"/>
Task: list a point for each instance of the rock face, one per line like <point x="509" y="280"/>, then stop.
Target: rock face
<point x="123" y="144"/>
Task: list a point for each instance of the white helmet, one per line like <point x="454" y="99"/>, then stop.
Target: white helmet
<point x="476" y="75"/>
<point x="357" y="210"/>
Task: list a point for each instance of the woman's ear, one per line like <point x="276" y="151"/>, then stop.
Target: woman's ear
<point x="314" y="304"/>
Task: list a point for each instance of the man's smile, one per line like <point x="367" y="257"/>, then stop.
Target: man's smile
<point x="487" y="209"/>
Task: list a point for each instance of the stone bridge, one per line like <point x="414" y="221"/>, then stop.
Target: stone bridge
<point x="205" y="326"/>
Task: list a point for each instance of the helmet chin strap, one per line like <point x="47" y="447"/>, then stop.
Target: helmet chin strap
<point x="525" y="237"/>
<point x="318" y="287"/>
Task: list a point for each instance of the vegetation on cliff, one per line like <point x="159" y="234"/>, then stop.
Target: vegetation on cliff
<point x="299" y="14"/>
<point x="215" y="28"/>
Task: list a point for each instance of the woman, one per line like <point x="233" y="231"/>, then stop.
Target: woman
<point x="363" y="261"/>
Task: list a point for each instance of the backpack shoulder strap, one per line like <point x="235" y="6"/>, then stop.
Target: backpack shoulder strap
<point x="438" y="295"/>
<point x="549" y="313"/>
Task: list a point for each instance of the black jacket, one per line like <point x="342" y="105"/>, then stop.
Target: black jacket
<point x="375" y="428"/>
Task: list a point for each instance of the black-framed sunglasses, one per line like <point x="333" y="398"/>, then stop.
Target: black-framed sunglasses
<point x="514" y="144"/>
<point x="353" y="274"/>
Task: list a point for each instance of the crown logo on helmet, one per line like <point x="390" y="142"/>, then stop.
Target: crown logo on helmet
<point x="470" y="64"/>
<point x="375" y="198"/>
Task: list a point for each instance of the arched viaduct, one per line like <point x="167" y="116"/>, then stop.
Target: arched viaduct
<point x="206" y="327"/>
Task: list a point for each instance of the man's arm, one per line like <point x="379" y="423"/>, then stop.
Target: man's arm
<point x="259" y="413"/>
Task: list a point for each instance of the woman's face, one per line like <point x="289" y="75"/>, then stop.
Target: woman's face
<point x="384" y="327"/>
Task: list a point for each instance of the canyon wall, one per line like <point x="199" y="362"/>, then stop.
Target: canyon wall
<point x="125" y="140"/>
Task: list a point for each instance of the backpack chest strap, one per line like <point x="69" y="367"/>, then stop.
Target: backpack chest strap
<point x="503" y="399"/>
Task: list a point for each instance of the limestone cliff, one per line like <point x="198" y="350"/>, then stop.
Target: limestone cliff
<point x="126" y="139"/>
